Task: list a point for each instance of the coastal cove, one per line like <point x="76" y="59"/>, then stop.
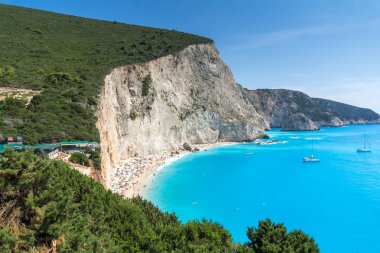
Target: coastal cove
<point x="133" y="176"/>
<point x="336" y="201"/>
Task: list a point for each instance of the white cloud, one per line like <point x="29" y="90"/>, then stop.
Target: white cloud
<point x="283" y="36"/>
<point x="253" y="41"/>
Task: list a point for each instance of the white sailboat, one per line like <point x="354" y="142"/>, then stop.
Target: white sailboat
<point x="311" y="159"/>
<point x="364" y="149"/>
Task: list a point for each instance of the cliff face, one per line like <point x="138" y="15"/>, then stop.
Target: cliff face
<point x="157" y="106"/>
<point x="294" y="110"/>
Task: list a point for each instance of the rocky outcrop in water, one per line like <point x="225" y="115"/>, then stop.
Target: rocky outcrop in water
<point x="298" y="121"/>
<point x="294" y="110"/>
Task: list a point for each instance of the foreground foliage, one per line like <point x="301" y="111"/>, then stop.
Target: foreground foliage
<point x="46" y="205"/>
<point x="272" y="237"/>
<point x="67" y="58"/>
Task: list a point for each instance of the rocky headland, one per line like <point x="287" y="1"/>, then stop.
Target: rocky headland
<point x="294" y="110"/>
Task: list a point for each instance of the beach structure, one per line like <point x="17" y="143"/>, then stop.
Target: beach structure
<point x="15" y="140"/>
<point x="19" y="139"/>
<point x="93" y="145"/>
<point x="49" y="150"/>
<point x="73" y="146"/>
<point x="11" y="140"/>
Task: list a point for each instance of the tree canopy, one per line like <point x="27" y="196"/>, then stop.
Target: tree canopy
<point x="79" y="158"/>
<point x="272" y="237"/>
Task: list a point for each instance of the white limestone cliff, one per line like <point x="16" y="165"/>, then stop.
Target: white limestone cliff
<point x="192" y="97"/>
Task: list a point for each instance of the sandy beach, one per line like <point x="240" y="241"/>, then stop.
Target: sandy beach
<point x="133" y="176"/>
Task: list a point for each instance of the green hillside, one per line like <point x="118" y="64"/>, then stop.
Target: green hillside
<point x="67" y="58"/>
<point x="46" y="205"/>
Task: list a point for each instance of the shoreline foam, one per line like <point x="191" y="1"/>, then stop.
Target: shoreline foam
<point x="133" y="176"/>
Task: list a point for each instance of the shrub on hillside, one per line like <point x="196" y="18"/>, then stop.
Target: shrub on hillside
<point x="273" y="237"/>
<point x="95" y="156"/>
<point x="133" y="115"/>
<point x="57" y="77"/>
<point x="79" y="158"/>
<point x="7" y="71"/>
<point x="146" y="84"/>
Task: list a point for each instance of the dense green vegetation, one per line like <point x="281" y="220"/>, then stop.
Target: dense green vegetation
<point x="94" y="156"/>
<point x="272" y="237"/>
<point x="79" y="158"/>
<point x="146" y="83"/>
<point x="6" y="71"/>
<point x="44" y="204"/>
<point x="67" y="58"/>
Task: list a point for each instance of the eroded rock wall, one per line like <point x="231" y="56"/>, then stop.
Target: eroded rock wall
<point x="157" y="106"/>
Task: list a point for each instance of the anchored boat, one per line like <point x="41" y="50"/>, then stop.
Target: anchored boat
<point x="364" y="149"/>
<point x="311" y="159"/>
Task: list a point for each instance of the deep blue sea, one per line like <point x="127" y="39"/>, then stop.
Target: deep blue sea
<point x="336" y="201"/>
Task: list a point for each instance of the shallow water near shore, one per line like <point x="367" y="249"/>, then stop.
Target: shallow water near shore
<point x="336" y="201"/>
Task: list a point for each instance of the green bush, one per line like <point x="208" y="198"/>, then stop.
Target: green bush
<point x="273" y="237"/>
<point x="95" y="156"/>
<point x="146" y="85"/>
<point x="57" y="77"/>
<point x="79" y="158"/>
<point x="133" y="115"/>
<point x="7" y="71"/>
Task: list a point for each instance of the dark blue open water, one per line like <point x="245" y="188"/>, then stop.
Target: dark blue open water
<point x="336" y="201"/>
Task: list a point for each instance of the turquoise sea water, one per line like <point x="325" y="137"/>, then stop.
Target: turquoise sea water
<point x="336" y="201"/>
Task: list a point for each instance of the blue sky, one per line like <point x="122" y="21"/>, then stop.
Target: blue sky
<point x="328" y="49"/>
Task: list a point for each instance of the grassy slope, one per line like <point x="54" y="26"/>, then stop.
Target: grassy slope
<point x="38" y="43"/>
